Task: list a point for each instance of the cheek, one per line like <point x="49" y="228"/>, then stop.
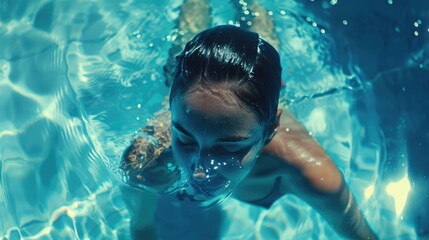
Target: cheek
<point x="183" y="155"/>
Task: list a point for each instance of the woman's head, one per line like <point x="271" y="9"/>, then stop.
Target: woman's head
<point x="236" y="57"/>
<point x="224" y="106"/>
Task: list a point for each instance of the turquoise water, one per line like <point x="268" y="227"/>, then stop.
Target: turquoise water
<point x="78" y="78"/>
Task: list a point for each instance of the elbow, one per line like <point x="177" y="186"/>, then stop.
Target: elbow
<point x="326" y="181"/>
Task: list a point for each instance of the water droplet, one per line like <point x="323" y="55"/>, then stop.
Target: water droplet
<point x="314" y="24"/>
<point x="150" y="44"/>
<point x="270" y="13"/>
<point x="139" y="105"/>
<point x="345" y="22"/>
<point x="322" y="30"/>
<point x="390" y="2"/>
<point x="282" y="12"/>
<point x="416" y="24"/>
<point x="416" y="33"/>
<point x="333" y="2"/>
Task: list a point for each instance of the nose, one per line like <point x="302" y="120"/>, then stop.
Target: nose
<point x="199" y="173"/>
<point x="201" y="167"/>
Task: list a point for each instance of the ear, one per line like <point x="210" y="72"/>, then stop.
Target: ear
<point x="273" y="130"/>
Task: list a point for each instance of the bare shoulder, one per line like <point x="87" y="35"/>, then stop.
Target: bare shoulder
<point x="300" y="151"/>
<point x="150" y="151"/>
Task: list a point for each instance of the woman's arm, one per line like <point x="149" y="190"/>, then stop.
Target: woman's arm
<point x="141" y="206"/>
<point x="145" y="165"/>
<point x="317" y="180"/>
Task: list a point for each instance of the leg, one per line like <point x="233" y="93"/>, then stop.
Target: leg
<point x="194" y="17"/>
<point x="254" y="17"/>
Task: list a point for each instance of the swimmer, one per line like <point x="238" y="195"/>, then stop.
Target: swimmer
<point x="229" y="137"/>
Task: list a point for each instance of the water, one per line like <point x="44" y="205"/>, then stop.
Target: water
<point x="78" y="78"/>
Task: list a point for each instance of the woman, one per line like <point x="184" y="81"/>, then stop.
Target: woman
<point x="229" y="137"/>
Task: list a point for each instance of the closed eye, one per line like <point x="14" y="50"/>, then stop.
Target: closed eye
<point x="235" y="147"/>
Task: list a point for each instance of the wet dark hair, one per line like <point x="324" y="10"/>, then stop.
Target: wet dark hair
<point x="228" y="54"/>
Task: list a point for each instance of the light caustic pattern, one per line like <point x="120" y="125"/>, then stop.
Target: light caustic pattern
<point x="79" y="78"/>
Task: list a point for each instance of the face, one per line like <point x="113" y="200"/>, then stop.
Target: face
<point x="215" y="140"/>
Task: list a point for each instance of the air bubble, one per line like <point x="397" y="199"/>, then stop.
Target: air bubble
<point x="345" y="22"/>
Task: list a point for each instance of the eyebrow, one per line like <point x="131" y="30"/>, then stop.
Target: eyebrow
<point x="223" y="139"/>
<point x="182" y="129"/>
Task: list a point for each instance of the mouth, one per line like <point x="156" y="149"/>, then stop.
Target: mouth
<point x="204" y="189"/>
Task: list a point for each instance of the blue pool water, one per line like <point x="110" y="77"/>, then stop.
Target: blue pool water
<point x="78" y="78"/>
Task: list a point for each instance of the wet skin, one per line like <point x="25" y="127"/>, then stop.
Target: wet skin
<point x="214" y="139"/>
<point x="211" y="122"/>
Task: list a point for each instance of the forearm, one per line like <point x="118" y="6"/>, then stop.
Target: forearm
<point x="141" y="207"/>
<point x="348" y="220"/>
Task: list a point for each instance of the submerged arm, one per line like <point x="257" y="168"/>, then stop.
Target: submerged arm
<point x="317" y="180"/>
<point x="145" y="165"/>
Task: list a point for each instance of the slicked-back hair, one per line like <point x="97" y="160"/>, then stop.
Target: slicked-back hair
<point x="237" y="57"/>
